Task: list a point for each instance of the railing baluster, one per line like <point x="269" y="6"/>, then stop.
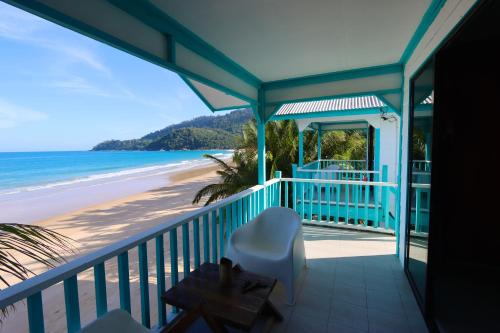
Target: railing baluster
<point x="221" y="232"/>
<point x="338" y="189"/>
<point x="124" y="281"/>
<point x="310" y="195"/>
<point x="234" y="216"/>
<point x="160" y="277"/>
<point x="319" y="202"/>
<point x="245" y="210"/>
<point x="35" y="313"/>
<point x="101" y="299"/>
<point x="196" y="242"/>
<point x="327" y="199"/>
<point x="229" y="225"/>
<point x="356" y="203"/>
<point x="240" y="213"/>
<point x="376" y="209"/>
<point x="185" y="249"/>
<point x="347" y="200"/>
<point x="386" y="208"/>
<point x="174" y="264"/>
<point x="174" y="257"/>
<point x="214" y="236"/>
<point x="367" y="202"/>
<point x="144" y="284"/>
<point x="417" y="210"/>
<point x="206" y="239"/>
<point x="286" y="195"/>
<point x="72" y="305"/>
<point x="251" y="204"/>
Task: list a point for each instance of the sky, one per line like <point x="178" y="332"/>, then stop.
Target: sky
<point x="60" y="90"/>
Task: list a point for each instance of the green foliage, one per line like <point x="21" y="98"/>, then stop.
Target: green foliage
<point x="207" y="132"/>
<point x="195" y="138"/>
<point x="34" y="242"/>
<point x="232" y="122"/>
<point x="418" y="144"/>
<point x="282" y="150"/>
<point x="234" y="178"/>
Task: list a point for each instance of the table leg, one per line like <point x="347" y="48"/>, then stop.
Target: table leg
<point x="270" y="309"/>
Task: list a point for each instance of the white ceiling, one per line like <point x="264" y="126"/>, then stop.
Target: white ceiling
<point x="279" y="39"/>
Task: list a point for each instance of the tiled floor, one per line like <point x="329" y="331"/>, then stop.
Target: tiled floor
<point x="353" y="283"/>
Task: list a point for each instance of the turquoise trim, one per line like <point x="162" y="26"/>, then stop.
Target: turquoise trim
<point x="196" y="242"/>
<point x="73" y="324"/>
<point x="124" y="282"/>
<point x="186" y="256"/>
<point x="428" y="18"/>
<point x="35" y="313"/>
<point x="160" y="280"/>
<point x="301" y="149"/>
<point x="319" y="142"/>
<point x="377" y="149"/>
<point x="261" y="150"/>
<point x="334" y="76"/>
<point x="325" y="114"/>
<point x="322" y="98"/>
<point x="236" y="107"/>
<point x="101" y="298"/>
<point x="157" y="19"/>
<point x="52" y="15"/>
<point x="261" y="138"/>
<point x="144" y="284"/>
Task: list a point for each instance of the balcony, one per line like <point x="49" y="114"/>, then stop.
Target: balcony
<point x="354" y="283"/>
<point x="357" y="274"/>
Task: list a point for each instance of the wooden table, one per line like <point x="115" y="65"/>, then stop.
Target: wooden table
<point x="228" y="305"/>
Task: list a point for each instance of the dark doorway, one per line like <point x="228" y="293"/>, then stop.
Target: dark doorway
<point x="462" y="289"/>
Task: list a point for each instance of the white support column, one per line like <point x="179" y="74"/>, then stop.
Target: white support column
<point x="301" y="148"/>
<point x="261" y="138"/>
<point x="261" y="151"/>
<point x="319" y="143"/>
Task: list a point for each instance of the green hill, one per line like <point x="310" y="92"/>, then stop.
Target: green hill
<point x="206" y="132"/>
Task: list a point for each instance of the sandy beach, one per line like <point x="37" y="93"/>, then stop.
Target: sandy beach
<point x="99" y="225"/>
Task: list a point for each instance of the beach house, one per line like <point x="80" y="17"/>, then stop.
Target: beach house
<point x="397" y="242"/>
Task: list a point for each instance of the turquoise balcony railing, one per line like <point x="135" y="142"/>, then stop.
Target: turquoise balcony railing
<point x="336" y="164"/>
<point x="204" y="233"/>
<point x="421" y="165"/>
<point x="349" y="203"/>
<point x="420" y="207"/>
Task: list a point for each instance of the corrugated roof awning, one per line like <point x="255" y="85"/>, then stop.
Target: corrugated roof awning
<point x="328" y="105"/>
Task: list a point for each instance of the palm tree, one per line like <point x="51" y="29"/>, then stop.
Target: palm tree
<point x="42" y="245"/>
<point x="234" y="178"/>
<point x="281" y="152"/>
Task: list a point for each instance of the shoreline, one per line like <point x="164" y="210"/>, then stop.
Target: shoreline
<point x="201" y="173"/>
<point x="51" y="202"/>
<point x="99" y="225"/>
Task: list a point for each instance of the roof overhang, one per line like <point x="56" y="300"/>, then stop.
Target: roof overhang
<point x="260" y="53"/>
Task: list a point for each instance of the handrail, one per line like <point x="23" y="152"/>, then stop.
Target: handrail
<point x="340" y="182"/>
<point x="301" y="169"/>
<point x="34" y="284"/>
<point x="424" y="186"/>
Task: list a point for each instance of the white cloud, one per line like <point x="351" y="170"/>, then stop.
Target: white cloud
<point x="12" y="115"/>
<point x="21" y="26"/>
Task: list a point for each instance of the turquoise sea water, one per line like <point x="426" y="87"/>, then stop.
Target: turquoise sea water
<point x="34" y="170"/>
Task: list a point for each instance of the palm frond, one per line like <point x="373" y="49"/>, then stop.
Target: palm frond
<point x="42" y="245"/>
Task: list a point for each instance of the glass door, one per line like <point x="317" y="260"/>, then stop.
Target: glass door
<point x="420" y="169"/>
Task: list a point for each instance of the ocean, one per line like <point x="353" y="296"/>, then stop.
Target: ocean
<point x="32" y="171"/>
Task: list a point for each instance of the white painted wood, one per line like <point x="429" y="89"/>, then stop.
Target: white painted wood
<point x="282" y="39"/>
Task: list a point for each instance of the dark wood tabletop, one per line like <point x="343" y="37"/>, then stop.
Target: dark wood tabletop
<point x="228" y="304"/>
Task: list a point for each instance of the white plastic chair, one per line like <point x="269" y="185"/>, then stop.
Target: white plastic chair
<point x="271" y="245"/>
